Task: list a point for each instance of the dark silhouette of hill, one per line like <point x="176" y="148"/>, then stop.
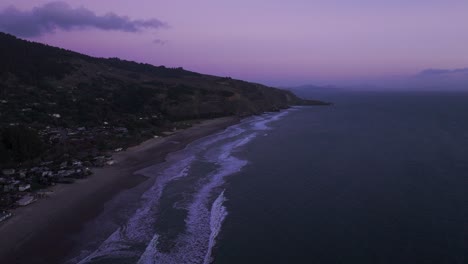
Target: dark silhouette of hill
<point x="43" y="86"/>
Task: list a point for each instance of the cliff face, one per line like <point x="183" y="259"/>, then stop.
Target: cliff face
<point x="38" y="81"/>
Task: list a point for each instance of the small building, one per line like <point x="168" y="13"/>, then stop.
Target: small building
<point x="47" y="174"/>
<point x="26" y="200"/>
<point x="9" y="187"/>
<point x="87" y="171"/>
<point x="24" y="187"/>
<point x="63" y="165"/>
<point x="65" y="173"/>
<point x="99" y="161"/>
<point x="22" y="173"/>
<point x="8" y="171"/>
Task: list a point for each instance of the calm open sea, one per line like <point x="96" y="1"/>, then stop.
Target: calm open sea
<point x="376" y="178"/>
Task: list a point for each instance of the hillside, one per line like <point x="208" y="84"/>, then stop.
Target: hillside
<point x="58" y="94"/>
<point x="87" y="90"/>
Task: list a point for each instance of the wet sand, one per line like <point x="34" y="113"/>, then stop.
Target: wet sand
<point x="41" y="232"/>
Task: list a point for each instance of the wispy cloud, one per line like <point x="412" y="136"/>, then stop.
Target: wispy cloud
<point x="433" y="72"/>
<point x="59" y="15"/>
<point x="160" y="42"/>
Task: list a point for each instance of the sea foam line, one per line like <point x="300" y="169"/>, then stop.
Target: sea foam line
<point x="202" y="224"/>
<point x="136" y="229"/>
<point x="218" y="214"/>
<point x="119" y="243"/>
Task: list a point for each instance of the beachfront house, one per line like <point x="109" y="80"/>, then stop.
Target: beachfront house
<point x="22" y="173"/>
<point x="24" y="187"/>
<point x="9" y="187"/>
<point x="8" y="172"/>
<point x="26" y="200"/>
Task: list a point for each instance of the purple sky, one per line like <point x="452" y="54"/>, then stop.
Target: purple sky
<point x="271" y="41"/>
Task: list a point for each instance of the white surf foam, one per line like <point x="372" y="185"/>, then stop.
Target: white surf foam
<point x="218" y="214"/>
<point x="203" y="223"/>
<point x="262" y="122"/>
<point x="136" y="229"/>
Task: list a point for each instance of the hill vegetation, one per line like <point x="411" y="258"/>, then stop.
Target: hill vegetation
<point x="44" y="88"/>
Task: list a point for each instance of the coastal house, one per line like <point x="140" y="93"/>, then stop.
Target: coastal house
<point x="99" y="161"/>
<point x="22" y="173"/>
<point x="77" y="163"/>
<point x="47" y="174"/>
<point x="63" y="165"/>
<point x="8" y="172"/>
<point x="65" y="173"/>
<point x="9" y="187"/>
<point x="24" y="187"/>
<point x="26" y="200"/>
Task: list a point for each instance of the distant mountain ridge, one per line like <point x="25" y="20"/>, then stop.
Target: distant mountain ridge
<point x="440" y="79"/>
<point x="432" y="72"/>
<point x="432" y="79"/>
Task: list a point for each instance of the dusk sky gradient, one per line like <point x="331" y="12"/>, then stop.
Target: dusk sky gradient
<point x="271" y="41"/>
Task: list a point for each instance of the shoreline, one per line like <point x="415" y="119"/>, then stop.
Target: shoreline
<point x="41" y="232"/>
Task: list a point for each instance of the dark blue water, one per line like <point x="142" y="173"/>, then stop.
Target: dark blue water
<point x="376" y="178"/>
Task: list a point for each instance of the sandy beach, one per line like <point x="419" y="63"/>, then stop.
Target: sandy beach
<point x="40" y="233"/>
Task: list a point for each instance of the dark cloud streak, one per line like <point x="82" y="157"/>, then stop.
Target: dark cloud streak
<point x="59" y="15"/>
<point x="160" y="42"/>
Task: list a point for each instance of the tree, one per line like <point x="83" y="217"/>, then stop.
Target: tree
<point x="19" y="144"/>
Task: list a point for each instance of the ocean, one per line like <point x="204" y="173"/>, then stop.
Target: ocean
<point x="379" y="177"/>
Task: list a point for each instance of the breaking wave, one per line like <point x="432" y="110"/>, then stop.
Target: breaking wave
<point x="218" y="214"/>
<point x="138" y="240"/>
